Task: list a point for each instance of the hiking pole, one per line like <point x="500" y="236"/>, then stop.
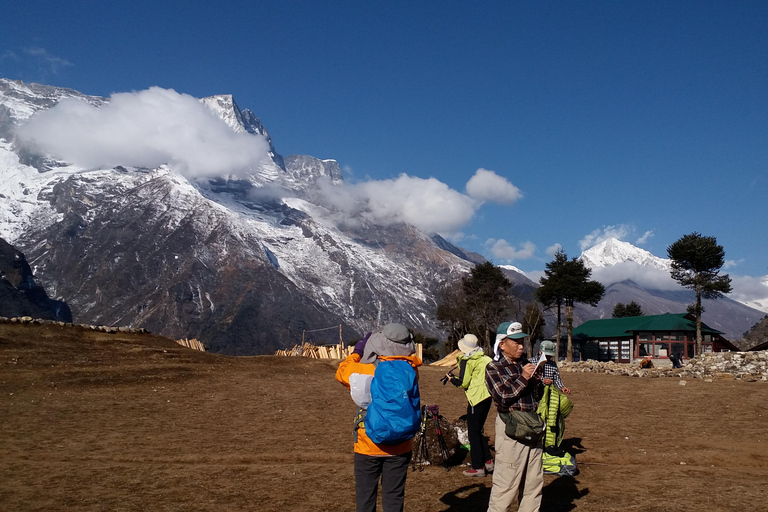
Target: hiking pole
<point x="435" y="411"/>
<point x="422" y="454"/>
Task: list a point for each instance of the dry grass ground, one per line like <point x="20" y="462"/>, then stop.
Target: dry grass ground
<point x="93" y="421"/>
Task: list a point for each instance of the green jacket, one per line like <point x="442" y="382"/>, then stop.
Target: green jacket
<point x="472" y="376"/>
<point x="554" y="407"/>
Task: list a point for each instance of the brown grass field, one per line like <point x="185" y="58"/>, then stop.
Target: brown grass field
<point x="94" y="421"/>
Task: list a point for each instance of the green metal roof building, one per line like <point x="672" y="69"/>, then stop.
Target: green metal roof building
<point x="657" y="336"/>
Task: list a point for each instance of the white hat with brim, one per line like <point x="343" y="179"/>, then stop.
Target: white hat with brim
<point x="468" y="343"/>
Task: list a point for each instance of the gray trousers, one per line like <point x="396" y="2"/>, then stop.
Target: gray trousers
<point x="518" y="476"/>
<point x="392" y="470"/>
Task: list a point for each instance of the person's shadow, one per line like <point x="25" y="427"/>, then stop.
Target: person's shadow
<point x="476" y="500"/>
<point x="561" y="494"/>
<point x="573" y="446"/>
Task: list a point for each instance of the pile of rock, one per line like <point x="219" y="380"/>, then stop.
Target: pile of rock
<point x="747" y="366"/>
<point x="100" y="328"/>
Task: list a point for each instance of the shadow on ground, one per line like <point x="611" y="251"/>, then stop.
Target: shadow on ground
<point x="468" y="498"/>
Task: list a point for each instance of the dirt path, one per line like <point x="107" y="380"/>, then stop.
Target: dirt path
<point x="92" y="421"/>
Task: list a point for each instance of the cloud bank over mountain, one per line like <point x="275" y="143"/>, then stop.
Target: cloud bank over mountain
<point x="144" y="129"/>
<point x="160" y="126"/>
<point x="428" y="204"/>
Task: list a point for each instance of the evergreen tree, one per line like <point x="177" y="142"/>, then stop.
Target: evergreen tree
<point x="566" y="282"/>
<point x="476" y="304"/>
<point x="621" y="310"/>
<point x="550" y="293"/>
<point x="696" y="264"/>
<point x="488" y="294"/>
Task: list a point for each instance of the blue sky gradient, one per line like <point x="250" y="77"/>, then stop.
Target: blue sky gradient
<point x="644" y="119"/>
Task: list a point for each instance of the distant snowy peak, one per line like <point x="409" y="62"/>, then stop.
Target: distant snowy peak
<point x="611" y="252"/>
<point x="513" y="269"/>
<point x="240" y="121"/>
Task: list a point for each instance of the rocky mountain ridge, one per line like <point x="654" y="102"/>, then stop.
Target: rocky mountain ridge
<point x="20" y="295"/>
<point x="233" y="261"/>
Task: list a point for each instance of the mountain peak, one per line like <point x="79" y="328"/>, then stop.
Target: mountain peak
<point x="612" y="251"/>
<point x="240" y="121"/>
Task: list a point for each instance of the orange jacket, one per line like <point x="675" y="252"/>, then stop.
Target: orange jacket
<point x="364" y="445"/>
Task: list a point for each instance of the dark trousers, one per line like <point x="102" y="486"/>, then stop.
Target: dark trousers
<point x="392" y="470"/>
<point x="478" y="445"/>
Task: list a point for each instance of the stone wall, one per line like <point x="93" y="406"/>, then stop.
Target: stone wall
<point x="747" y="366"/>
<point x="100" y="328"/>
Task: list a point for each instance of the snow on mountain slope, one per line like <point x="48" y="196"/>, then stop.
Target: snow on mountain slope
<point x="612" y="252"/>
<point x="244" y="264"/>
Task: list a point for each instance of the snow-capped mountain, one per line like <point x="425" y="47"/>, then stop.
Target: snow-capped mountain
<point x="245" y="263"/>
<point x="611" y="252"/>
<point x="633" y="274"/>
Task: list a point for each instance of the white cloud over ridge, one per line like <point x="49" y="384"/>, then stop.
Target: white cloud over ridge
<point x="618" y="231"/>
<point x="647" y="277"/>
<point x="144" y="129"/>
<point x="428" y="204"/>
<point x="160" y="126"/>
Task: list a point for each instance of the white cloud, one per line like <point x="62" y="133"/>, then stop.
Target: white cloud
<point x="145" y="129"/>
<point x="731" y="263"/>
<point x="647" y="277"/>
<point x="49" y="62"/>
<point x="427" y="204"/>
<point x="486" y="185"/>
<point x="552" y="249"/>
<point x="751" y="290"/>
<point x="503" y="250"/>
<point x="619" y="231"/>
<point x="160" y="126"/>
<point x="643" y="239"/>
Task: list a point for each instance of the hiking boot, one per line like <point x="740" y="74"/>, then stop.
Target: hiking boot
<point x="474" y="472"/>
<point x="489" y="466"/>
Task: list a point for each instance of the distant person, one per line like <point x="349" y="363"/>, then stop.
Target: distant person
<point x="514" y="387"/>
<point x="646" y="362"/>
<point x="376" y="461"/>
<point x="472" y="362"/>
<point x="551" y="373"/>
<point x="677" y="360"/>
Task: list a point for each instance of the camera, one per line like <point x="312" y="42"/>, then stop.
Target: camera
<point x="445" y="379"/>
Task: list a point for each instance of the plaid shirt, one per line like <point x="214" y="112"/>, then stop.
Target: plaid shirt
<point x="552" y="372"/>
<point x="509" y="389"/>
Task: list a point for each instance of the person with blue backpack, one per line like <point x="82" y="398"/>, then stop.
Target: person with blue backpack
<point x="383" y="381"/>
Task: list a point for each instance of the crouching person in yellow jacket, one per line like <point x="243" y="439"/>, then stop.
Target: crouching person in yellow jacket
<point x="388" y="462"/>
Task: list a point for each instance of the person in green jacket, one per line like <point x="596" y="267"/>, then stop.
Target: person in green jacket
<point x="472" y="363"/>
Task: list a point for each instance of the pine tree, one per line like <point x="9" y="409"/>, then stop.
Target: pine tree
<point x="477" y="304"/>
<point x="621" y="310"/>
<point x="696" y="264"/>
<point x="566" y="282"/>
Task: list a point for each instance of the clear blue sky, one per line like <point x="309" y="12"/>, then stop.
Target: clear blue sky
<point x="644" y="119"/>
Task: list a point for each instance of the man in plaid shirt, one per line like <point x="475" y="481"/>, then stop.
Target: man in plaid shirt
<point x="514" y="386"/>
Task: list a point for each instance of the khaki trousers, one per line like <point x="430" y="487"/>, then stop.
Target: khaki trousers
<point x="518" y="472"/>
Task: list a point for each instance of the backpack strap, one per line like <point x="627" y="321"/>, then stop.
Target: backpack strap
<point x="359" y="420"/>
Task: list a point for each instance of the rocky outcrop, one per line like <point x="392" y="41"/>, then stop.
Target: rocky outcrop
<point x="747" y="366"/>
<point x="20" y="295"/>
